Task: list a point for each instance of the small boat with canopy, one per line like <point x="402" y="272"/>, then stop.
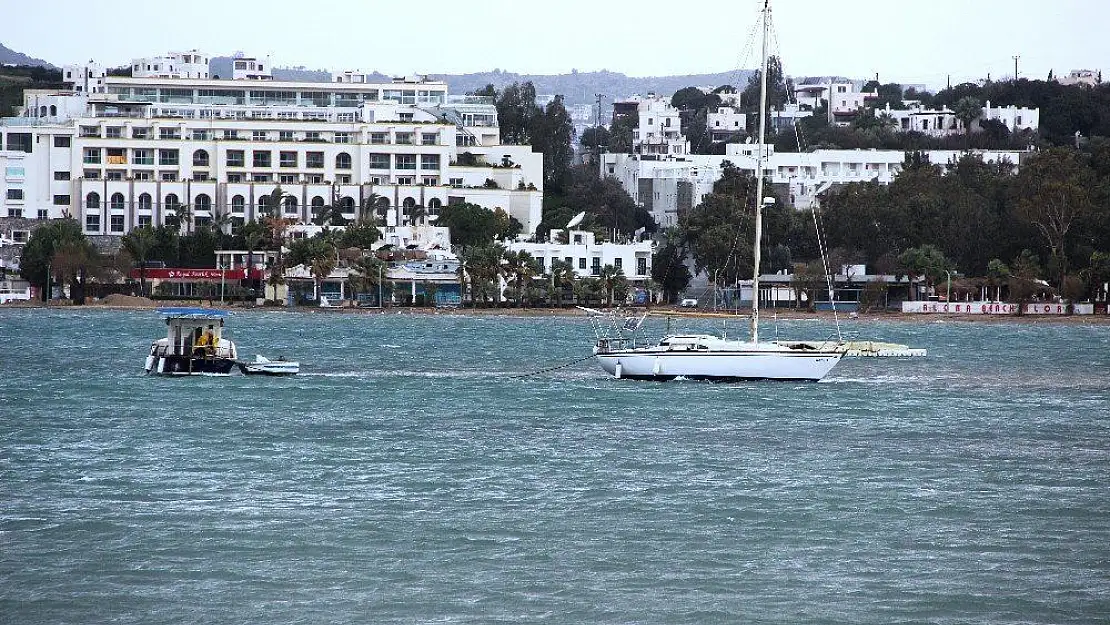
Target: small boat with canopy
<point x="194" y="344"/>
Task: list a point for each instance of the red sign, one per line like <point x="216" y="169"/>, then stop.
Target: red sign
<point x="172" y="273"/>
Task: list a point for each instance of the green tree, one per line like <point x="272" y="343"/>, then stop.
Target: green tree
<point x="367" y="274"/>
<point x="612" y="282"/>
<point x="668" y="266"/>
<point x="967" y="109"/>
<point x="360" y="234"/>
<point x="552" y="133"/>
<point x="925" y="262"/>
<point x="318" y="254"/>
<point x="35" y="264"/>
<point x="1052" y="194"/>
<point x="470" y="225"/>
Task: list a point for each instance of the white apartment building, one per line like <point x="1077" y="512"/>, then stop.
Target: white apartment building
<point x="587" y="256"/>
<point x="150" y="148"/>
<point x="660" y="127"/>
<point x="87" y="78"/>
<point x="725" y="122"/>
<point x="1085" y="77"/>
<point x="191" y="64"/>
<point x="666" y="187"/>
<point x="941" y="122"/>
<point x="787" y="116"/>
<point x="843" y="98"/>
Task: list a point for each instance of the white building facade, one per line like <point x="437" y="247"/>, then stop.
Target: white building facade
<point x="191" y="64"/>
<point x="146" y="149"/>
<point x="587" y="256"/>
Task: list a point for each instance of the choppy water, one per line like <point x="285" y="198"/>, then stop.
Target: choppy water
<point x="404" y="477"/>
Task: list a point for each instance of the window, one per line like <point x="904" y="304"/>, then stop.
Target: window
<point x="61" y="200"/>
<point x="92" y="156"/>
<point x="140" y="133"/>
<point x="429" y="161"/>
<point x="342" y="137"/>
<point x="258" y="135"/>
<point x="582" y="263"/>
<point x="595" y="266"/>
<point x="201" y="176"/>
<point x="92" y="223"/>
<point x="61" y="142"/>
<point x="429" y="181"/>
<point x="260" y="178"/>
<point x="427" y="139"/>
<point x="285" y="135"/>
<point x="342" y="161"/>
<point x="143" y="156"/>
<point x="61" y="175"/>
<point x="455" y="182"/>
<point x="117" y="223"/>
<point x="314" y="178"/>
<point x="168" y="176"/>
<point x="235" y="177"/>
<point x="287" y="178"/>
<point x="19" y="142"/>
<point x="238" y="204"/>
<point x="262" y="158"/>
<point x="317" y="206"/>
<point x="379" y="138"/>
<point x="15" y="194"/>
<point x="144" y="221"/>
<point x="312" y="136"/>
<point x="114" y="174"/>
<point x="288" y="159"/>
<point x="404" y="180"/>
<point x="145" y="202"/>
<point x="169" y="133"/>
<point x="114" y="132"/>
<point x="406" y="161"/>
<point x="235" y="158"/>
<point x="14" y="172"/>
<point x="142" y="174"/>
<point x="343" y="178"/>
<point x="90" y="131"/>
<point x="289" y="205"/>
<point x="404" y="138"/>
<point x="117" y="202"/>
<point x="232" y="135"/>
<point x="202" y="202"/>
<point x="172" y="203"/>
<point x="200" y="158"/>
<point x="201" y="135"/>
<point x="641" y="266"/>
<point x="91" y="174"/>
<point x="314" y="160"/>
<point x="167" y="157"/>
<point x="92" y="201"/>
<point x="44" y="214"/>
<point x="15" y="212"/>
<point x="378" y="161"/>
<point x="617" y="262"/>
<point x="433" y="207"/>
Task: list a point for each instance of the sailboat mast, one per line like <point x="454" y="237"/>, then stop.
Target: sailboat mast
<point x="759" y="176"/>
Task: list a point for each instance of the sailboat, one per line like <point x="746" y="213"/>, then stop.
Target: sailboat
<point x="708" y="357"/>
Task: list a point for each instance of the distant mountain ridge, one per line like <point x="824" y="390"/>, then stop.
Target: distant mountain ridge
<point x="576" y="87"/>
<point x="11" y="57"/>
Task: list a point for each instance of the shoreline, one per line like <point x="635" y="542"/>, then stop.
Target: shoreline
<point x="767" y="314"/>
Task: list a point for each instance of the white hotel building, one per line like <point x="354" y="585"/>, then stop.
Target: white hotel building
<point x="129" y="151"/>
<point x="667" y="187"/>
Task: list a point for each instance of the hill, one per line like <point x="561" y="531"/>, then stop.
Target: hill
<point x="11" y="57"/>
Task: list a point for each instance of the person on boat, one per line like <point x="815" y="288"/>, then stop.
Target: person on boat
<point x="209" y="339"/>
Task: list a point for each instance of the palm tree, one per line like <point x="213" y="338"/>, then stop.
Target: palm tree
<point x="522" y="267"/>
<point x="369" y="205"/>
<point x="368" y="272"/>
<point x="562" y="275"/>
<point x="319" y="255"/>
<point x="138" y="244"/>
<point x="483" y="265"/>
<point x="430" y="290"/>
<point x="611" y="279"/>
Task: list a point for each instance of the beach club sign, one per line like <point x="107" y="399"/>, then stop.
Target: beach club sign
<point x="995" y="308"/>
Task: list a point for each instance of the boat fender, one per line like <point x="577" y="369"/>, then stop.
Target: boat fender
<point x="658" y="367"/>
<point x="149" y="363"/>
<point x="161" y="365"/>
<point x="618" y="371"/>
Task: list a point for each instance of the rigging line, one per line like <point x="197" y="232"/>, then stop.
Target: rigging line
<point x="555" y="368"/>
<point x="828" y="276"/>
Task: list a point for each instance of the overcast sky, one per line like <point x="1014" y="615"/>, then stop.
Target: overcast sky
<point x="902" y="41"/>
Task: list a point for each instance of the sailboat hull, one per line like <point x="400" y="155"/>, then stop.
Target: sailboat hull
<point x="719" y="366"/>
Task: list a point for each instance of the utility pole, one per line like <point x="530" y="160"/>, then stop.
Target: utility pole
<point x="1016" y="57"/>
<point x="597" y="133"/>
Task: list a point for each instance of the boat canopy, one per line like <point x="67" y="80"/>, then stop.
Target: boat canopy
<point x="192" y="313"/>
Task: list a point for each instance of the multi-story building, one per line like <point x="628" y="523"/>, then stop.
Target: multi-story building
<point x="659" y="129"/>
<point x="725" y="122"/>
<point x="191" y="64"/>
<point x="941" y="122"/>
<point x="587" y="256"/>
<point x="146" y="149"/>
<point x="843" y="98"/>
<point x="667" y="187"/>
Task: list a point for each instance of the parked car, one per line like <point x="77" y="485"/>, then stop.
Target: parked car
<point x="689" y="302"/>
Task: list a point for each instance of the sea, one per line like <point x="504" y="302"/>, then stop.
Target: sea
<point x="454" y="468"/>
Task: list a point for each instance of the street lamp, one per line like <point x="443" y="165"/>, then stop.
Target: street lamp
<point x="948" y="292"/>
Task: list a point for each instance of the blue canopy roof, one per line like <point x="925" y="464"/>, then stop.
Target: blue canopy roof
<point x="192" y="313"/>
